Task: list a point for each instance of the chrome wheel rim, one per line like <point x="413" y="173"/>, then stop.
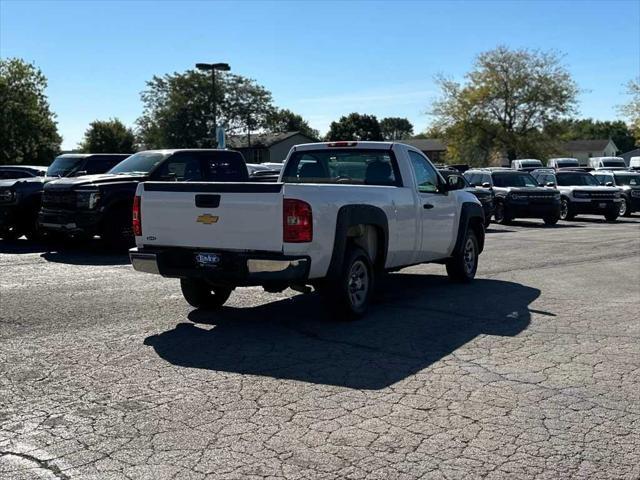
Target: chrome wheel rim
<point x="623" y="207"/>
<point x="469" y="256"/>
<point x="358" y="284"/>
<point x="564" y="209"/>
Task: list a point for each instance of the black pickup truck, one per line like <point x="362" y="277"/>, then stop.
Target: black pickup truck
<point x="20" y="199"/>
<point x="102" y="204"/>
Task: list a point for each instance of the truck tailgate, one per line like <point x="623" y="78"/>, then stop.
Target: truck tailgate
<point x="230" y="216"/>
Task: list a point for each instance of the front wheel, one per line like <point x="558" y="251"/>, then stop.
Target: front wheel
<point x="500" y="214"/>
<point x="612" y="215"/>
<point x="462" y="267"/>
<point x="200" y="294"/>
<point x="10" y="234"/>
<point x="625" y="211"/>
<point x="565" y="210"/>
<point x="551" y="219"/>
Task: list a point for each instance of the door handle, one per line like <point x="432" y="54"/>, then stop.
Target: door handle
<point x="427" y="206"/>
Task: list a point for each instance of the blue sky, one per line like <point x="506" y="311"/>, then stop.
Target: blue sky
<point x="320" y="59"/>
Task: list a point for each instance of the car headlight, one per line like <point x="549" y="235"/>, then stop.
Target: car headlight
<point x="87" y="199"/>
<point x="7" y="196"/>
<point x="581" y="195"/>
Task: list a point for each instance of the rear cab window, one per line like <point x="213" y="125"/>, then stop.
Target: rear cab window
<point x="349" y="166"/>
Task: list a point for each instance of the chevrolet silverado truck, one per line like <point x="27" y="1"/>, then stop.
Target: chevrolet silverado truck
<point x="102" y="204"/>
<point x="340" y="215"/>
<point x="517" y="195"/>
<point x="20" y="199"/>
<point x="581" y="193"/>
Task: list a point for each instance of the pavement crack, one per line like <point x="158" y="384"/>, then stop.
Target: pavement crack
<point x="46" y="464"/>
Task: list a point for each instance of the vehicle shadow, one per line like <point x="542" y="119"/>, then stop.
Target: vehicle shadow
<point x="418" y="320"/>
<point x="92" y="252"/>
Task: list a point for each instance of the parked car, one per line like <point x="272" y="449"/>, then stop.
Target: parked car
<point x="101" y="204"/>
<point x="13" y="172"/>
<point x="607" y="163"/>
<point x="628" y="182"/>
<point x="581" y="193"/>
<point x="484" y="195"/>
<point x="20" y="199"/>
<point x="563" y="162"/>
<point x="634" y="163"/>
<point x="526" y="164"/>
<point x="259" y="172"/>
<point x="342" y="213"/>
<point x="517" y="195"/>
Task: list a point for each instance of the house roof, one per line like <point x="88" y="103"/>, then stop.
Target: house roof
<point x="633" y="153"/>
<point x="586" y="145"/>
<point x="265" y="140"/>
<point x="425" y="144"/>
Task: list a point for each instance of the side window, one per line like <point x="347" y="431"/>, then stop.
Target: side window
<point x="471" y="178"/>
<point x="181" y="167"/>
<point x="426" y="175"/>
<point x="485" y="178"/>
<point x="96" y="165"/>
<point x="10" y="175"/>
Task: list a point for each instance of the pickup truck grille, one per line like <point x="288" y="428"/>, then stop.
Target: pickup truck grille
<point x="635" y="193"/>
<point x="597" y="195"/>
<point x="57" y="200"/>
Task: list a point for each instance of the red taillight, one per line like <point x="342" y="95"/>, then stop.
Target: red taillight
<point x="343" y="144"/>
<point x="297" y="221"/>
<point x="137" y="217"/>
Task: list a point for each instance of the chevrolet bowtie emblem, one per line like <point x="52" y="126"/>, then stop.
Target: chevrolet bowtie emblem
<point x="207" y="219"/>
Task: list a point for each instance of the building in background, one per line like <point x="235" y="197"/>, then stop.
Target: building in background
<point x="583" y="150"/>
<point x="266" y="147"/>
<point x="627" y="156"/>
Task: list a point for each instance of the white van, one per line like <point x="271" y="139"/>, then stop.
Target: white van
<point x="634" y="163"/>
<point x="607" y="162"/>
<point x="526" y="164"/>
<point x="563" y="162"/>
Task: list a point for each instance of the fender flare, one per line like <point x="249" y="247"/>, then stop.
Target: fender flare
<point x="348" y="216"/>
<point x="471" y="216"/>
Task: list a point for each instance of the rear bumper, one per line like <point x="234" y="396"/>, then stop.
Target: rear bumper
<point x="70" y="221"/>
<point x="234" y="268"/>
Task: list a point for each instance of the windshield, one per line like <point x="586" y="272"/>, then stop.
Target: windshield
<point x="628" y="180"/>
<point x="352" y="166"/>
<point x="514" y="180"/>
<point x="64" y="166"/>
<point x="577" y="178"/>
<point x="567" y="163"/>
<point x="531" y="163"/>
<point x="142" y="162"/>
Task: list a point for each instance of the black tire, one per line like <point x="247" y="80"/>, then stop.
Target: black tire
<point x="501" y="215"/>
<point x="625" y="208"/>
<point x="200" y="294"/>
<point x="462" y="267"/>
<point x="10" y="234"/>
<point x="487" y="221"/>
<point x="566" y="212"/>
<point x="350" y="295"/>
<point x="117" y="231"/>
<point x="612" y="215"/>
<point x="551" y="219"/>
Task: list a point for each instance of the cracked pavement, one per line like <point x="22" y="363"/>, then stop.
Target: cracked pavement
<point x="533" y="371"/>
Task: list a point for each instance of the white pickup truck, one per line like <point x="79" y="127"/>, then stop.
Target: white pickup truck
<point x="340" y="214"/>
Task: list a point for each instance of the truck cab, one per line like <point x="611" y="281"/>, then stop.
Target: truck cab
<point x="556" y="163"/>
<point x="607" y="163"/>
<point x="340" y="214"/>
<point x="526" y="164"/>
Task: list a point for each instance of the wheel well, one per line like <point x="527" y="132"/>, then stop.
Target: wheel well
<point x="371" y="239"/>
<point x="476" y="225"/>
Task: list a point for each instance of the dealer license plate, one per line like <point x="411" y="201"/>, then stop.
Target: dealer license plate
<point x="207" y="259"/>
<point x="602" y="205"/>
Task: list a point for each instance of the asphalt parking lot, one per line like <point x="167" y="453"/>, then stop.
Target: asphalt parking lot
<point x="533" y="371"/>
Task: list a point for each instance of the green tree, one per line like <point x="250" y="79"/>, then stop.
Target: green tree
<point x="355" y="126"/>
<point x="177" y="108"/>
<point x="283" y="120"/>
<point x="631" y="110"/>
<point x="506" y="101"/>
<point x="108" y="136"/>
<point x="396" y="128"/>
<point x="589" y="129"/>
<point x="28" y="130"/>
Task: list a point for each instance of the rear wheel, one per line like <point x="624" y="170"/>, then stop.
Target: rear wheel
<point x="200" y="294"/>
<point x="462" y="267"/>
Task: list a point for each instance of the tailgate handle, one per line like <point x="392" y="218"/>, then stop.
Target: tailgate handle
<point x="208" y="201"/>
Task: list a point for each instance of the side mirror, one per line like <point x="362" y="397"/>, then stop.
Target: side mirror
<point x="486" y="185"/>
<point x="608" y="184"/>
<point x="550" y="184"/>
<point x="80" y="173"/>
<point x="455" y="182"/>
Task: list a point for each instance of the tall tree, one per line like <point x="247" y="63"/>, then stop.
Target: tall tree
<point x="28" y="130"/>
<point x="108" y="136"/>
<point x="396" y="128"/>
<point x="355" y="126"/>
<point x="505" y="102"/>
<point x="178" y="108"/>
<point x="283" y="120"/>
<point x="631" y="110"/>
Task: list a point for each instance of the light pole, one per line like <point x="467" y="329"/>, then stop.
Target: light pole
<point x="223" y="67"/>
